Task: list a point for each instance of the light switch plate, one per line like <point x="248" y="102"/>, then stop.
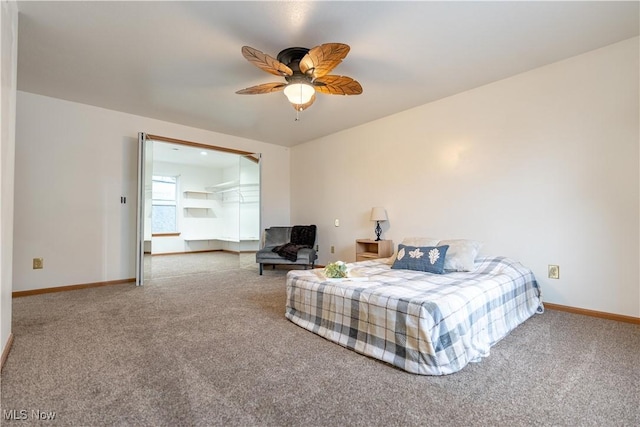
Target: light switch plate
<point x="554" y="271"/>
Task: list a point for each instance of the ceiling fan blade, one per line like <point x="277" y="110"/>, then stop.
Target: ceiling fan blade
<point x="337" y="85"/>
<point x="263" y="88"/>
<point x="302" y="107"/>
<point x="320" y="60"/>
<point x="265" y="62"/>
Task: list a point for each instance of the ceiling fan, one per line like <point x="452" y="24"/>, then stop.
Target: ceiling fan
<point x="306" y="72"/>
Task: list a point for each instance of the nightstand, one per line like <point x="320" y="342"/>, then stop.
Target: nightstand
<point x="367" y="249"/>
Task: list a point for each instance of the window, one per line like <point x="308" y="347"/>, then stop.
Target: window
<point x="164" y="208"/>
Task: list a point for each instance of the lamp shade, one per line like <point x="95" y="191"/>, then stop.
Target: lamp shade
<point x="299" y="93"/>
<point x="378" y="214"/>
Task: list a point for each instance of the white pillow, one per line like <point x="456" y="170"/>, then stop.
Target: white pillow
<point x="420" y="241"/>
<point x="461" y="254"/>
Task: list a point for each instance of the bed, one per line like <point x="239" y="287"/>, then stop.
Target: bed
<point x="423" y="323"/>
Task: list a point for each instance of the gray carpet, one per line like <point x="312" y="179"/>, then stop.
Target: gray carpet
<point x="214" y="348"/>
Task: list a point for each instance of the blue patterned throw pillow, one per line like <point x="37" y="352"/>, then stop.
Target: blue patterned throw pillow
<point x="421" y="258"/>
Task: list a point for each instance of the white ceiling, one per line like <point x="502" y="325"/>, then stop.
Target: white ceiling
<point x="189" y="155"/>
<point x="181" y="61"/>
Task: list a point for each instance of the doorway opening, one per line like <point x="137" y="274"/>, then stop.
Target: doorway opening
<point x="198" y="208"/>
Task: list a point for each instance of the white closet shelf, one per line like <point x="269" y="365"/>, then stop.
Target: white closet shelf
<point x="195" y="238"/>
<point x="197" y="192"/>
<point x="230" y="185"/>
<point x="222" y="239"/>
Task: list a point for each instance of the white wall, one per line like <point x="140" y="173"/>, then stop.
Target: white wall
<point x="8" y="70"/>
<point x="73" y="162"/>
<point x="541" y="167"/>
<point x="209" y="222"/>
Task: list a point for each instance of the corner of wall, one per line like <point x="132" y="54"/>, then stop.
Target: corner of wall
<point x="8" y="77"/>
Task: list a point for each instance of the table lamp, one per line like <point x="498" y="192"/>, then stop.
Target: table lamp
<point x="378" y="214"/>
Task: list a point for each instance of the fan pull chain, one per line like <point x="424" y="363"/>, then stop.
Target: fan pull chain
<point x="297" y="115"/>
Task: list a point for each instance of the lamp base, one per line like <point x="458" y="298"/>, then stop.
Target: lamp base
<point x="378" y="231"/>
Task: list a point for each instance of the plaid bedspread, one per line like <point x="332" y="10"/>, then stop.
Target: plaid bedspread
<point x="423" y="323"/>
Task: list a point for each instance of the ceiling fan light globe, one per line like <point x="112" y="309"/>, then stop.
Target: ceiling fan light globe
<point x="299" y="93"/>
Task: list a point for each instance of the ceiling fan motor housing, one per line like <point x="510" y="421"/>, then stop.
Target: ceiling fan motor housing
<point x="291" y="58"/>
<point x="291" y="54"/>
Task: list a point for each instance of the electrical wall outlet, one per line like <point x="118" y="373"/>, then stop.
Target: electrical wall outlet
<point x="554" y="271"/>
<point x="38" y="263"/>
<point x="333" y="249"/>
<point x="336" y="223"/>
